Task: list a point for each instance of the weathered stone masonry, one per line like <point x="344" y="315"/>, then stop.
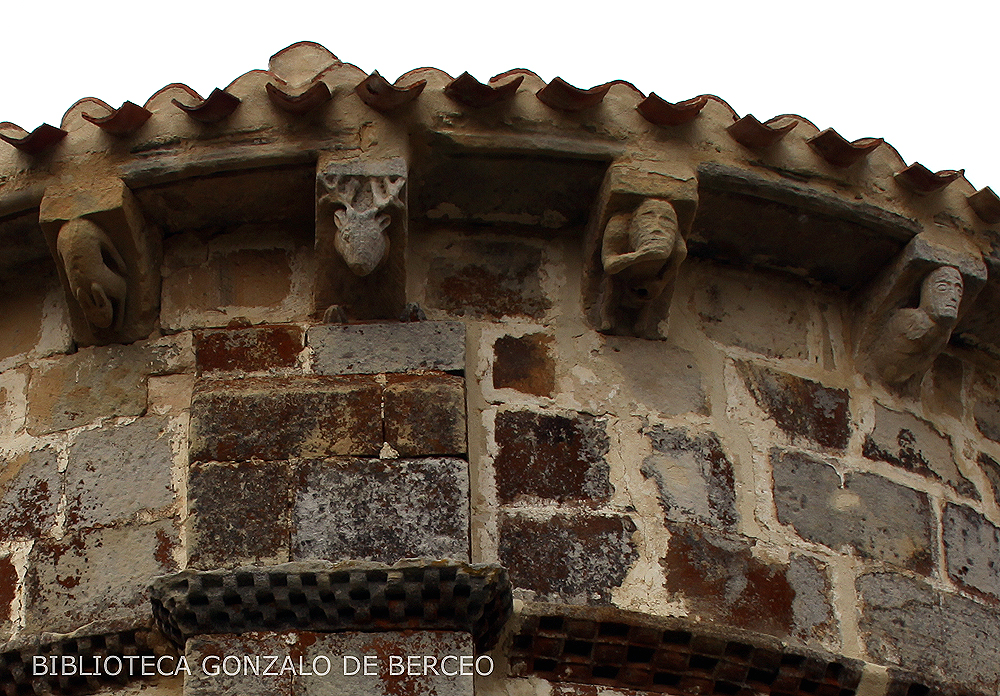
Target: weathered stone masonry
<point x="630" y="396"/>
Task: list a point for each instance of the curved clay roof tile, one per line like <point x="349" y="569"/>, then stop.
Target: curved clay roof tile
<point x="33" y="143"/>
<point x="379" y="94"/>
<point x="218" y="106"/>
<point x="751" y="133"/>
<point x="467" y="90"/>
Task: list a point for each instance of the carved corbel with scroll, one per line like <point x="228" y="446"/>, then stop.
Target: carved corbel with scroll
<point x="361" y="223"/>
<point x="108" y="259"/>
<point x="906" y="317"/>
<point x="635" y="247"/>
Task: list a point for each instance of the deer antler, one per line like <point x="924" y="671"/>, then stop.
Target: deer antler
<point x="385" y="191"/>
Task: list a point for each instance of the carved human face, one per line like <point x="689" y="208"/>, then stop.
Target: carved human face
<point x="941" y="293"/>
<point x="653" y="220"/>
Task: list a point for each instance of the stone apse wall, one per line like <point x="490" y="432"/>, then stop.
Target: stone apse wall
<point x="322" y="365"/>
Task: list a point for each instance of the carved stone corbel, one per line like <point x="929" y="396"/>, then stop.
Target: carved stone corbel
<point x="635" y="246"/>
<point x="108" y="259"/>
<point x="907" y="315"/>
<point x="361" y="222"/>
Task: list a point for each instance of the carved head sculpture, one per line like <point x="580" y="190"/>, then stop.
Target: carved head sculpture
<point x="361" y="223"/>
<point x="941" y="293"/>
<point x="654" y="221"/>
<point x="95" y="272"/>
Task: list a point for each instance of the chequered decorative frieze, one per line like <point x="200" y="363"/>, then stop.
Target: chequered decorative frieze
<point x="632" y="651"/>
<point x="19" y="673"/>
<point x="321" y="596"/>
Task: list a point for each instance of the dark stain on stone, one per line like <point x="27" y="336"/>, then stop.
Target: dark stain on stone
<point x="524" y="363"/>
<point x="29" y="493"/>
<point x="800" y="407"/>
<point x="552" y="457"/>
<point x="568" y="556"/>
<point x="991" y="467"/>
<point x="8" y="588"/>
<point x="248" y="349"/>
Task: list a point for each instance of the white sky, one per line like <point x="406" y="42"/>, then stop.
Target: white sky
<point x="923" y="75"/>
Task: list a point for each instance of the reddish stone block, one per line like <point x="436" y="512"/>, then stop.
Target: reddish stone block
<point x="721" y="580"/>
<point x="551" y="456"/>
<point x="425" y="414"/>
<point x="29" y="494"/>
<point x="568" y="557"/>
<point x="800" y="407"/>
<point x="249" y="349"/>
<point x="524" y="363"/>
<point x="283" y="418"/>
<point x="239" y="513"/>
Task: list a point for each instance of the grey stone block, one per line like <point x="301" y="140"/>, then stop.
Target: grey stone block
<point x="943" y="636"/>
<point x="341" y="349"/>
<point x="879" y="519"/>
<point x="694" y="475"/>
<point x="207" y="678"/>
<point x="97" y="575"/>
<point x="972" y="547"/>
<point x="115" y="472"/>
<point x="382" y="510"/>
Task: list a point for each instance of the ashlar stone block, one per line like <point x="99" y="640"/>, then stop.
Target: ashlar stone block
<point x="97" y="575"/>
<point x="907" y="623"/>
<point x="878" y="519"/>
<point x="694" y="476"/>
<point x="524" y="363"/>
<point x="568" y="557"/>
<point x="382" y="510"/>
<point x="912" y="443"/>
<point x="74" y="390"/>
<point x="342" y="349"/>
<point x="800" y="407"/>
<point x="972" y="550"/>
<point x="282" y="418"/>
<point x="551" y="456"/>
<point x="425" y="414"/>
<point x="239" y="513"/>
<point x="30" y="486"/>
<point x="723" y="581"/>
<point x="118" y="471"/>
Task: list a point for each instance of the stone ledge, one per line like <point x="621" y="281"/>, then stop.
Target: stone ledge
<point x="325" y="597"/>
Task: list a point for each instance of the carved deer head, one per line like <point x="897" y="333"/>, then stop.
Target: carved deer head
<point x="361" y="224"/>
